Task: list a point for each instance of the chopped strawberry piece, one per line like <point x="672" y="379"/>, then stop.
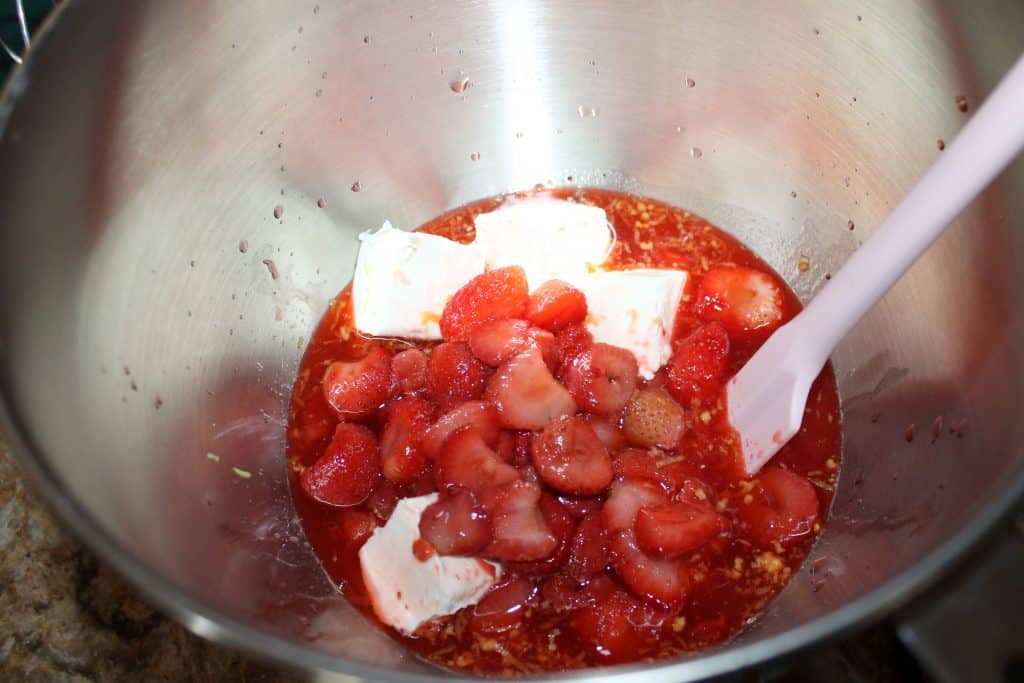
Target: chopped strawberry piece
<point x="555" y="305"/>
<point x="784" y="509"/>
<point x="455" y="524"/>
<point x="453" y="370"/>
<point x="625" y="499"/>
<point x="699" y="363"/>
<point x="494" y="295"/>
<point x="406" y="423"/>
<point x="638" y="464"/>
<point x="607" y="430"/>
<point x="652" y="419"/>
<point x="607" y="627"/>
<point x="520" y="532"/>
<point x="570" y="458"/>
<point x="666" y="581"/>
<point x="503" y="607"/>
<point x="588" y="551"/>
<point x="748" y="302"/>
<point x="410" y="370"/>
<point x="383" y="500"/>
<point x="348" y="469"/>
<point x="467" y="461"/>
<point x="497" y="341"/>
<point x="601" y="379"/>
<point x="357" y="388"/>
<point x="672" y="529"/>
<point x="561" y="524"/>
<point x="479" y="414"/>
<point x="571" y="342"/>
<point x="526" y="394"/>
<point x="352" y="528"/>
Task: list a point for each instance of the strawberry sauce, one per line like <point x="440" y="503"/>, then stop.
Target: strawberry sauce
<point x="640" y="540"/>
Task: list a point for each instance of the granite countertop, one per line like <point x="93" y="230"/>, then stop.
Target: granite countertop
<point x="64" y="616"/>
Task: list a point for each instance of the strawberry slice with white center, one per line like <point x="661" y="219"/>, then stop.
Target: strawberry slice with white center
<point x="666" y="581"/>
<point x="479" y="414"/>
<point x="356" y="388"/>
<point x="495" y="342"/>
<point x="467" y="461"/>
<point x="526" y="394"/>
<point x="748" y="302"/>
<point x="520" y="532"/>
<point x="625" y="498"/>
<point x="569" y="457"/>
<point x="601" y="378"/>
<point x="673" y="529"/>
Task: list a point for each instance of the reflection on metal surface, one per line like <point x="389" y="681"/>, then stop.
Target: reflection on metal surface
<point x="154" y="138"/>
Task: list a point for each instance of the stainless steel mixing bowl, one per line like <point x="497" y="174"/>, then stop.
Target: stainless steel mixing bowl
<point x="146" y="141"/>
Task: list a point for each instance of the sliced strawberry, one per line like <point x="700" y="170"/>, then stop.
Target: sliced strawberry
<point x="410" y="370"/>
<point x="357" y="388"/>
<point x="406" y="423"/>
<point x="467" y="461"/>
<point x="453" y="370"/>
<point x="479" y="414"/>
<point x="666" y="581"/>
<point x="588" y="551"/>
<point x="352" y="528"/>
<point x="571" y="342"/>
<point x="424" y="483"/>
<point x="783" y="510"/>
<point x="561" y="524"/>
<point x="570" y="458"/>
<point x="607" y="627"/>
<point x="455" y="524"/>
<point x="503" y="607"/>
<point x="526" y="394"/>
<point x="348" y="469"/>
<point x="673" y="529"/>
<point x="497" y="341"/>
<point x="601" y="379"/>
<point x="699" y="363"/>
<point x="748" y="302"/>
<point x="652" y="419"/>
<point x="555" y="305"/>
<point x="494" y="295"/>
<point x="520" y="532"/>
<point x="638" y="464"/>
<point x="625" y="499"/>
<point x="607" y="430"/>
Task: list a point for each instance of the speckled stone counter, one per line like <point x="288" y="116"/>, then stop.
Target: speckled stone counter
<point x="65" y="617"/>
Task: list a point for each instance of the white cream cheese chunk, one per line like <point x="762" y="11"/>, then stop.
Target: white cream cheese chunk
<point x="635" y="309"/>
<point x="549" y="238"/>
<point x="403" y="280"/>
<point x="406" y="591"/>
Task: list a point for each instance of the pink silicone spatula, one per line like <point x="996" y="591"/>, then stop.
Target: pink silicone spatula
<point x="766" y="398"/>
